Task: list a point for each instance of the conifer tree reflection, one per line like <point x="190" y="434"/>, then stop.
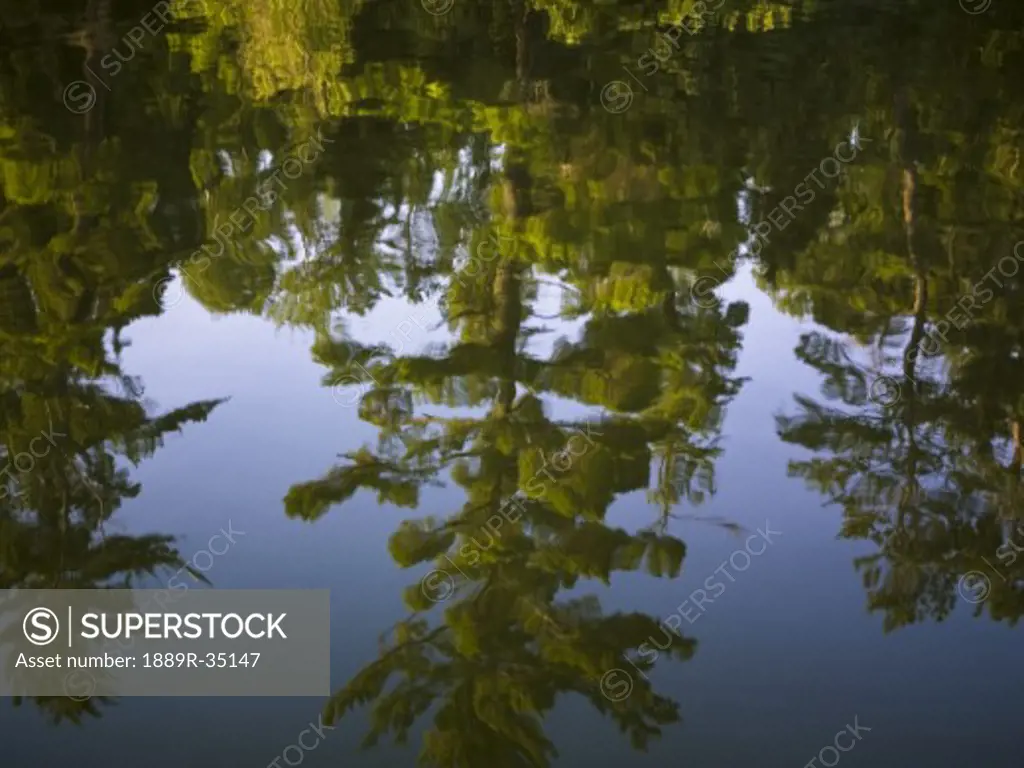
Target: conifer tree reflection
<point x="537" y="491"/>
<point x="919" y="445"/>
<point x="90" y="219"/>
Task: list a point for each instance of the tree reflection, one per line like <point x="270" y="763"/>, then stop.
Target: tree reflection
<point x="537" y="490"/>
<point x="473" y="164"/>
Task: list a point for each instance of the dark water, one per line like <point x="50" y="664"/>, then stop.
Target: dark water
<point x="644" y="394"/>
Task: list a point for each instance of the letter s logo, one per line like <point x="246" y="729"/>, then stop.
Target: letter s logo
<point x="79" y="97"/>
<point x="41" y="626"/>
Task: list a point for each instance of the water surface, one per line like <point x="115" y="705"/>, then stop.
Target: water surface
<point x="643" y="379"/>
